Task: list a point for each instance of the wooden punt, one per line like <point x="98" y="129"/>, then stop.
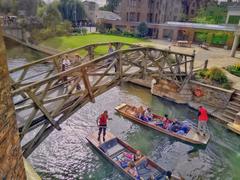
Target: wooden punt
<point x="234" y="127"/>
<point x="192" y="136"/>
<point x="114" y="150"/>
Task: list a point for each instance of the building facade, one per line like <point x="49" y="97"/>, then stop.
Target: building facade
<point x="91" y="9"/>
<point x="154" y="12"/>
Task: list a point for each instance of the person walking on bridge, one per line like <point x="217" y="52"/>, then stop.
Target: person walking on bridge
<point x="102" y="124"/>
<point x="202" y="121"/>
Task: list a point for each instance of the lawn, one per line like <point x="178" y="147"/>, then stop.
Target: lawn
<point x="69" y="42"/>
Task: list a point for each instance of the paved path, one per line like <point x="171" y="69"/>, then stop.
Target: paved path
<point x="218" y="57"/>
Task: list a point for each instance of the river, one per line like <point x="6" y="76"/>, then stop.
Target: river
<point x="66" y="154"/>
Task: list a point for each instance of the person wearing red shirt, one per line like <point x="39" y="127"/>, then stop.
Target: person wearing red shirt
<point x="102" y="124"/>
<point x="202" y="120"/>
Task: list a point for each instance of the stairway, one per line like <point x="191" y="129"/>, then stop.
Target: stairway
<point x="233" y="107"/>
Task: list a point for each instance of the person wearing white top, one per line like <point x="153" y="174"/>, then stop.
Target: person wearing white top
<point x="66" y="63"/>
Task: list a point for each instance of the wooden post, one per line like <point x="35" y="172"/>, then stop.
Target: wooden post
<point x="206" y="64"/>
<point x="11" y="165"/>
<point x="91" y="52"/>
<point x="87" y="85"/>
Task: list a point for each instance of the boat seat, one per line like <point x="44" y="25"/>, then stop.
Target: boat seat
<point x="111" y="147"/>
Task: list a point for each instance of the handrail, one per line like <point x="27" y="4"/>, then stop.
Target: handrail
<point x="94" y="61"/>
<point x="67" y="52"/>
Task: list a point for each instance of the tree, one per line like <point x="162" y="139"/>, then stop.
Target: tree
<point x="111" y="5"/>
<point x="72" y="10"/>
<point x="52" y="17"/>
<point x="142" y="29"/>
<point x="28" y="6"/>
<point x="8" y="6"/>
<point x="212" y="14"/>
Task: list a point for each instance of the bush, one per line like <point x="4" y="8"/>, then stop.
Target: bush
<point x="129" y="34"/>
<point x="101" y="28"/>
<point x="234" y="69"/>
<point x="217" y="75"/>
<point x="142" y="29"/>
<point x="214" y="76"/>
<point x="84" y="31"/>
<point x="115" y="31"/>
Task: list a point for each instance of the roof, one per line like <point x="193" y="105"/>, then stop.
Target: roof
<point x="108" y="15"/>
<point x="223" y="27"/>
<point x="234" y="8"/>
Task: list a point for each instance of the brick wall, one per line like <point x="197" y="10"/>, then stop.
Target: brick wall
<point x="11" y="162"/>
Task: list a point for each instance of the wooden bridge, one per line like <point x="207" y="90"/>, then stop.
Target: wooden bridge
<point x="44" y="96"/>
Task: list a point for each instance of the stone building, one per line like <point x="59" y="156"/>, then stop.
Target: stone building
<point x="91" y="9"/>
<point x="154" y="12"/>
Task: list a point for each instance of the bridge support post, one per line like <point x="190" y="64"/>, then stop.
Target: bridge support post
<point x="87" y="85"/>
<point x="11" y="165"/>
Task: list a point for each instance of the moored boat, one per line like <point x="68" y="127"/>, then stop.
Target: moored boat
<point x="234" y="127"/>
<point x="122" y="156"/>
<point x="191" y="135"/>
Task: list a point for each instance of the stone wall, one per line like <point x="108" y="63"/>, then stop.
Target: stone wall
<point x="11" y="162"/>
<point x="211" y="95"/>
<point x="169" y="90"/>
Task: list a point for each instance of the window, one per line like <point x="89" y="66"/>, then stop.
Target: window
<point x="127" y="16"/>
<point x="138" y="17"/>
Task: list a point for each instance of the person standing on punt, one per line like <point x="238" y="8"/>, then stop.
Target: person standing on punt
<point x="202" y="121"/>
<point x="102" y="124"/>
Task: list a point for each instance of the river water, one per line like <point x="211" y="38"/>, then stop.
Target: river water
<point x="66" y="154"/>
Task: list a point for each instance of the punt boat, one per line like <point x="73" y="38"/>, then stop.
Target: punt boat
<point x="120" y="154"/>
<point x="234" y="127"/>
<point x="191" y="136"/>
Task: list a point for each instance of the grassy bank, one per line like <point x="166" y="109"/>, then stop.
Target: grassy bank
<point x="69" y="42"/>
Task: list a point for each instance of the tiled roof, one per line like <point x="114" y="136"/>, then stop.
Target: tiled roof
<point x="108" y="15"/>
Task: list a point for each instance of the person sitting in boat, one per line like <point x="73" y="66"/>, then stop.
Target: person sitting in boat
<point x="137" y="156"/>
<point x="140" y="112"/>
<point x="148" y="115"/>
<point x="132" y="169"/>
<point x="131" y="110"/>
<point x="166" y="122"/>
<point x="176" y="126"/>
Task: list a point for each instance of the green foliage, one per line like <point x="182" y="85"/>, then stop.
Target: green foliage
<point x="72" y="10"/>
<point x="234" y="20"/>
<point x="212" y="14"/>
<point x="52" y="17"/>
<point x="214" y="76"/>
<point x="234" y="69"/>
<point x="219" y="38"/>
<point x="217" y="75"/>
<point x="129" y="34"/>
<point x="8" y="6"/>
<point x="201" y="36"/>
<point x="101" y="28"/>
<point x="115" y="31"/>
<point x="142" y="29"/>
<point x="45" y="33"/>
<point x="111" y="5"/>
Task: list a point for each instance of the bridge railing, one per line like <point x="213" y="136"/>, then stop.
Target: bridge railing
<point x="46" y="67"/>
<point x="51" y="101"/>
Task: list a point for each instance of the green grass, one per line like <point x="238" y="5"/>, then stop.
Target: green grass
<point x="69" y="42"/>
